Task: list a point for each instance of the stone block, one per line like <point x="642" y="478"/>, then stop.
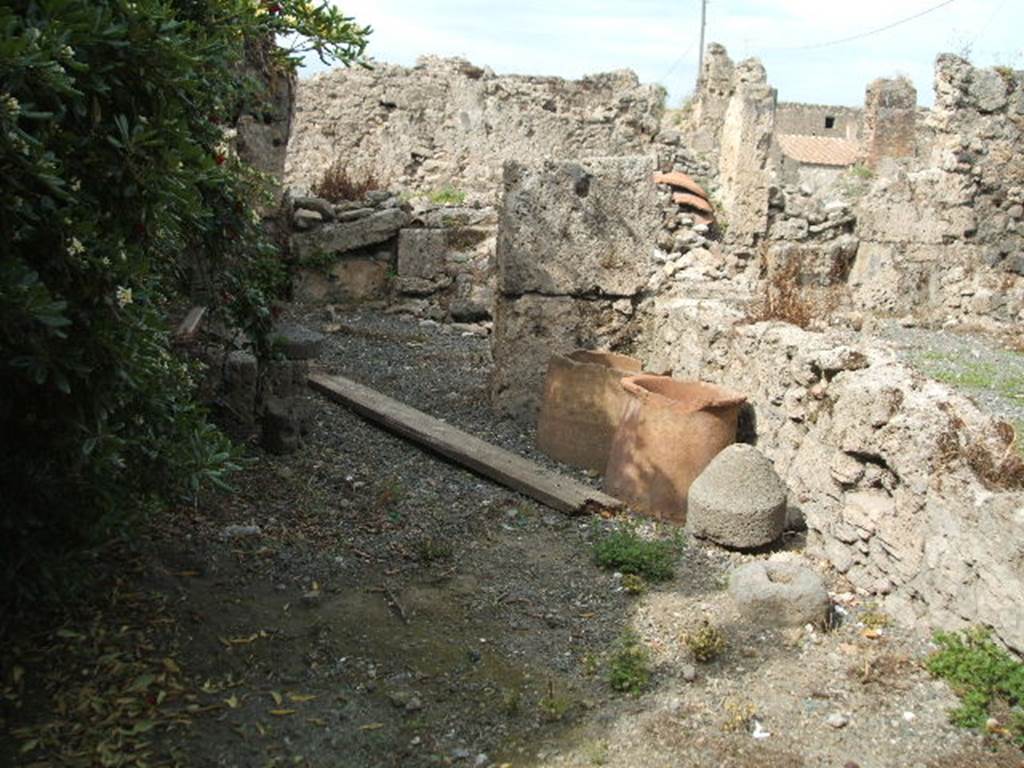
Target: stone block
<point x="296" y="342"/>
<point x="581" y="227"/>
<point x="530" y="329"/>
<point x="738" y="501"/>
<point x="284" y="424"/>
<point x="347" y="281"/>
<point x="779" y="594"/>
<point x="474" y="306"/>
<point x="421" y="252"/>
<point x="341" y="237"/>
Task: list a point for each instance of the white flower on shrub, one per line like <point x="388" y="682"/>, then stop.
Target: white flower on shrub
<point x="10" y="104"/>
<point x="75" y="248"/>
<point x="123" y="296"/>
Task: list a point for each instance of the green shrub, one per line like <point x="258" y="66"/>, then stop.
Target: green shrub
<point x="625" y="550"/>
<point x="629" y="667"/>
<point x="120" y="192"/>
<point x="981" y="673"/>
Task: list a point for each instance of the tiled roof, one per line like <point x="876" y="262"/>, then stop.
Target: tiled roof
<point x="819" y="150"/>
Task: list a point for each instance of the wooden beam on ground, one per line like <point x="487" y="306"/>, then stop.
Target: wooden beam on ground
<point x="519" y="474"/>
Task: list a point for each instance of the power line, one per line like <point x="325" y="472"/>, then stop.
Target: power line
<point x="869" y="33"/>
<point x="680" y="60"/>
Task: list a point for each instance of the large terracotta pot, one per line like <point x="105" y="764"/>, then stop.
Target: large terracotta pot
<point x="583" y="402"/>
<point x="669" y="431"/>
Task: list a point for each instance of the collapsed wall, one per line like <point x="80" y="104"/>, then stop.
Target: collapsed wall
<point x="446" y="122"/>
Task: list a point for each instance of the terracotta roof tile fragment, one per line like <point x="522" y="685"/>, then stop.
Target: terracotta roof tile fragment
<point x="684" y="198"/>
<point x="682" y="181"/>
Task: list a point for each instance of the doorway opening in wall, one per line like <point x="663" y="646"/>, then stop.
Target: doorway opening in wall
<point x="830" y="122"/>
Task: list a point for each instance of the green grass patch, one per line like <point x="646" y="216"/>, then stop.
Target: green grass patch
<point x="1005" y="380"/>
<point x="626" y="551"/>
<point x="448" y="195"/>
<point x="861" y="172"/>
<point x="983" y="675"/>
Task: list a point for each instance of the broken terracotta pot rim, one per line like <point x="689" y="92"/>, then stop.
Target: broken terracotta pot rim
<point x="681" y="396"/>
<point x="604" y="359"/>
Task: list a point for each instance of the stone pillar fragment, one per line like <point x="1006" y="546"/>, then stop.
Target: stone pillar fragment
<point x="746" y="144"/>
<point x="890" y="120"/>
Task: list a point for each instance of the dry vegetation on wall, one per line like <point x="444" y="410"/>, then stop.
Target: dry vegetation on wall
<point x="785" y="299"/>
<point x="999" y="466"/>
<point x="337" y="184"/>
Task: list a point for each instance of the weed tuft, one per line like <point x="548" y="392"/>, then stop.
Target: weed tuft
<point x="874" y="618"/>
<point x="706" y="643"/>
<point x="555" y="706"/>
<point x="784" y="298"/>
<point x="739" y="715"/>
<point x="430" y="550"/>
<point x="983" y="675"/>
<point x="627" y="551"/>
<point x="633" y="584"/>
<point x="448" y="195"/>
<point x="337" y="185"/>
<point x="629" y="667"/>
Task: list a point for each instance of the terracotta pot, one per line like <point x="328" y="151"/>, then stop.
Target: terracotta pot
<point x="583" y="402"/>
<point x="669" y="431"/>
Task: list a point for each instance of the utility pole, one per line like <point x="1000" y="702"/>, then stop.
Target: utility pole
<point x="703" y="25"/>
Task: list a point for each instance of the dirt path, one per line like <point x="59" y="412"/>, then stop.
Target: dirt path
<point x="364" y="604"/>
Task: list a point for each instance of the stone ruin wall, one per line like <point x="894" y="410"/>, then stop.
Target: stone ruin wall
<point x="446" y="122"/>
<point x="946" y="234"/>
<point x="874" y="454"/>
<point x="937" y="223"/>
<point x="874" y="458"/>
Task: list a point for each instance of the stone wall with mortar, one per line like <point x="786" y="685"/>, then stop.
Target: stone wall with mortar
<point x="939" y="228"/>
<point x="431" y="261"/>
<point x="813" y="120"/>
<point x="446" y="122"/>
<point x="745" y="147"/>
<point x="875" y="457"/>
<point x="945" y="234"/>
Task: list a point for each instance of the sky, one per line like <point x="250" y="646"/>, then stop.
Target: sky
<point x="658" y="39"/>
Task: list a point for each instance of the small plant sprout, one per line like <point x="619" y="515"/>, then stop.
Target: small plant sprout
<point x="706" y="643"/>
<point x="629" y="667"/>
<point x="633" y="584"/>
<point x="626" y="551"/>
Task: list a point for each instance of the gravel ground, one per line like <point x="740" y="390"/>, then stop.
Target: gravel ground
<point x="362" y="603"/>
<point x="978" y="364"/>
